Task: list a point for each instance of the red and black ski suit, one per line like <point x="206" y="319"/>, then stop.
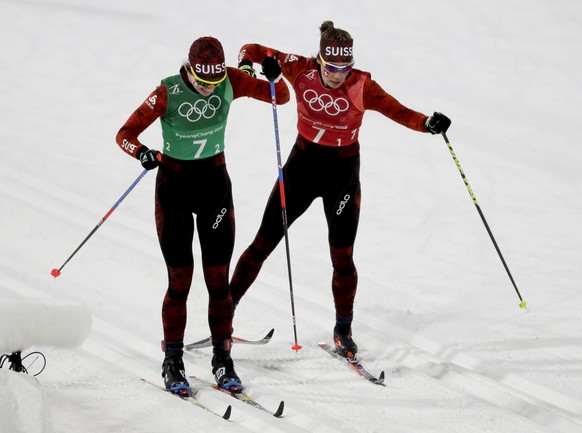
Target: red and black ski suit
<point x="201" y="187"/>
<point x="324" y="162"/>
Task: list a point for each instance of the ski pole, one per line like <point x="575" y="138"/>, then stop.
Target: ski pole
<point x="522" y="303"/>
<point x="296" y="346"/>
<point x="56" y="272"/>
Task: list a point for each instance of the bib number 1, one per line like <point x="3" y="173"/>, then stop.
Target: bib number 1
<point x="321" y="131"/>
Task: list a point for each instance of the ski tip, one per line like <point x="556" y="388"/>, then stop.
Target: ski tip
<point x="380" y="380"/>
<point x="270" y="334"/>
<point x="279" y="412"/>
<point x="227" y="412"/>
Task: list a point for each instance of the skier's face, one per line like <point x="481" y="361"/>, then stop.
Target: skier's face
<point x="203" y="90"/>
<point x="334" y="74"/>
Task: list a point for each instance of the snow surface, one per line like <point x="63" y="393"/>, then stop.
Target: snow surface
<point x="435" y="309"/>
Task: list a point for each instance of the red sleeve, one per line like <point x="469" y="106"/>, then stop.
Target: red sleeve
<point x="245" y="85"/>
<point x="291" y="64"/>
<point x="376" y="98"/>
<point x="255" y="53"/>
<point x="153" y="107"/>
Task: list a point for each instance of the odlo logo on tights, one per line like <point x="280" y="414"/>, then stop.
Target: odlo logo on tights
<point x="219" y="218"/>
<point x="342" y="204"/>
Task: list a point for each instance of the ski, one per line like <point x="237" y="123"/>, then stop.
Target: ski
<point x="245" y="398"/>
<point x="207" y="342"/>
<point x="190" y="397"/>
<point x="355" y="364"/>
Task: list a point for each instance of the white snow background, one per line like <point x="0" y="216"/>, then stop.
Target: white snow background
<point x="435" y="308"/>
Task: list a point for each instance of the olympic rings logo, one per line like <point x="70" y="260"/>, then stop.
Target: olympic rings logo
<point x="201" y="108"/>
<point x="325" y="102"/>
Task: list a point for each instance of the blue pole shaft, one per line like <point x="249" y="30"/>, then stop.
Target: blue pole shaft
<point x="296" y="346"/>
<point x="56" y="272"/>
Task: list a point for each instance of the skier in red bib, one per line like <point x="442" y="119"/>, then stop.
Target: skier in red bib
<point x="332" y="97"/>
<point x="192" y="179"/>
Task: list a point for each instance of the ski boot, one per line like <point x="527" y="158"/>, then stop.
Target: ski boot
<point x="344" y="344"/>
<point x="174" y="373"/>
<point x="223" y="366"/>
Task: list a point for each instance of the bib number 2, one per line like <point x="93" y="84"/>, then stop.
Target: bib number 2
<point x="202" y="145"/>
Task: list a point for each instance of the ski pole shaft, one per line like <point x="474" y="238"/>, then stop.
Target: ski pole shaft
<point x="56" y="272"/>
<point x="296" y="346"/>
<point x="522" y="304"/>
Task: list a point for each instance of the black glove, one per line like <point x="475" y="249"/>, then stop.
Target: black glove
<point x="247" y="67"/>
<point x="271" y="68"/>
<point x="438" y="123"/>
<point x="148" y="158"/>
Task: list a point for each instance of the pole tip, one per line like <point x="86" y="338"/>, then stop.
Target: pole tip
<point x="296" y="347"/>
<point x="55" y="272"/>
<point x="523" y="304"/>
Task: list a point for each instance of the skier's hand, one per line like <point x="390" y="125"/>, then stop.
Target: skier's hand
<point x="438" y="123"/>
<point x="149" y="158"/>
<point x="271" y="68"/>
<point x="247" y="67"/>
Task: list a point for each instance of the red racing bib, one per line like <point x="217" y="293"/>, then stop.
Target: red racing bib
<point x="330" y="117"/>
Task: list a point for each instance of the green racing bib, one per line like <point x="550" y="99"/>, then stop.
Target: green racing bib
<point x="193" y="126"/>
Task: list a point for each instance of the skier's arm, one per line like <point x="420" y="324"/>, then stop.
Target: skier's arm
<point x="377" y="99"/>
<point x="245" y="85"/>
<point x="153" y="107"/>
<point x="291" y="64"/>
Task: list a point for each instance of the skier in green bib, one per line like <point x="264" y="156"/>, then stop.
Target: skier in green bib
<point x="192" y="179"/>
